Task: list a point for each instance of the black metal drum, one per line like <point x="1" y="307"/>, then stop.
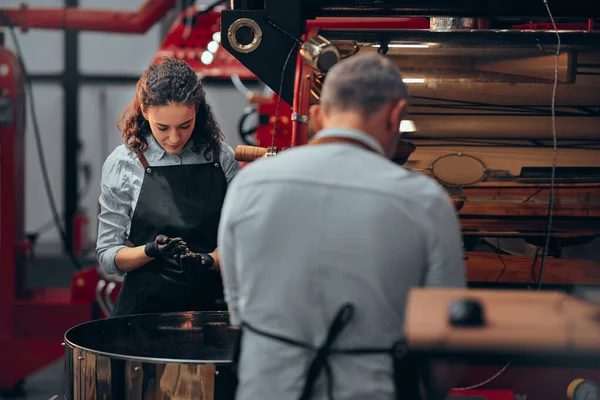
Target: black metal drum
<point x="153" y="356"/>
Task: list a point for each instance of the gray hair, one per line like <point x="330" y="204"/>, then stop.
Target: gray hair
<point x="363" y="83"/>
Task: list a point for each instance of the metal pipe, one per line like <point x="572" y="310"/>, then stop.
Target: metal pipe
<point x="107" y="297"/>
<point x="100" y="298"/>
<point x="296" y="103"/>
<point x="532" y="39"/>
<point x="134" y="22"/>
<point x="441" y="8"/>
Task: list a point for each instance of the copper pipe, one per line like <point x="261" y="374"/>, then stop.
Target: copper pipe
<point x="136" y="22"/>
<point x="249" y="153"/>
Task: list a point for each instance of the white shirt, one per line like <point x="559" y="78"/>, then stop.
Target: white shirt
<point x="315" y="227"/>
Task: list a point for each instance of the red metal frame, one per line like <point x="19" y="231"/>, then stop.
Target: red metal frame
<point x="32" y="323"/>
<point x="138" y="21"/>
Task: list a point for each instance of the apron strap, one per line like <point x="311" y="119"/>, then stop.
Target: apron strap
<point x="142" y="158"/>
<point x="217" y="152"/>
<point x="320" y="361"/>
<point x="406" y="372"/>
<point x="339" y="139"/>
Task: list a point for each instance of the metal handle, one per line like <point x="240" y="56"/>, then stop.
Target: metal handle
<point x="107" y="297"/>
<point x="100" y="299"/>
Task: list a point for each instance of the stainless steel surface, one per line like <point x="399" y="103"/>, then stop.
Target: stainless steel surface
<point x="491" y="84"/>
<point x="320" y="53"/>
<point x="153" y="356"/>
<point x="100" y="298"/>
<point x="107" y="297"/>
<point x="447" y="23"/>
<point x="106" y="285"/>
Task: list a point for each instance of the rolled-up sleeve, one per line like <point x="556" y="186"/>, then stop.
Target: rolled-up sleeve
<point x="230" y="164"/>
<point x="115" y="212"/>
<point x="226" y="240"/>
<point x="446" y="265"/>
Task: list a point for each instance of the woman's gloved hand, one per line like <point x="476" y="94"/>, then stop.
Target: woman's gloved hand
<point x="164" y="247"/>
<point x="194" y="260"/>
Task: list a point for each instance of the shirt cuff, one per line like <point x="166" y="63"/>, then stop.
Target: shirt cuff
<point x="108" y="263"/>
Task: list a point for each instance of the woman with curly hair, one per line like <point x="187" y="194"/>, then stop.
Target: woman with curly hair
<point x="161" y="197"/>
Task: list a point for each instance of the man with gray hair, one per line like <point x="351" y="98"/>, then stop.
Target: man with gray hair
<point x="321" y="244"/>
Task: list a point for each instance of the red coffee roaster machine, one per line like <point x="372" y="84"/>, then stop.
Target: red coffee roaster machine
<point x="481" y="76"/>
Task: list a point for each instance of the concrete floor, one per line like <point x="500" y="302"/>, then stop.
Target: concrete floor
<point x="44" y="384"/>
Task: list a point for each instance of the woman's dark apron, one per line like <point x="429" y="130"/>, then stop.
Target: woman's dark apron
<point x="408" y="372"/>
<point x="177" y="201"/>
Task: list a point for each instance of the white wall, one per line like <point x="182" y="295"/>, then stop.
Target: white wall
<point x="99" y="105"/>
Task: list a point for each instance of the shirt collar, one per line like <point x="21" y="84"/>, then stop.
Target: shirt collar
<point x="352" y="134"/>
<point x="156" y="152"/>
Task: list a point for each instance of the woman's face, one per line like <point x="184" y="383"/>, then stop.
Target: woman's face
<point x="172" y="125"/>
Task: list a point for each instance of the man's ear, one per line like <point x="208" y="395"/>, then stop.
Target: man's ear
<point x="315" y="113"/>
<point x="397" y="113"/>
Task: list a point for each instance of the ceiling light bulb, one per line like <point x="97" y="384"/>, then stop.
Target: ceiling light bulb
<point x="213" y="47"/>
<point x="413" y="80"/>
<point x="407" y="126"/>
<point x="207" y="57"/>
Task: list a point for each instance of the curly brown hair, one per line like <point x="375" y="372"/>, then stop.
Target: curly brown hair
<point x="171" y="81"/>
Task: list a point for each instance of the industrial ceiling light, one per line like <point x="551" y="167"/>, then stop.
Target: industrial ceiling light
<point x="244" y="35"/>
<point x="407" y="126"/>
<point x="320" y="53"/>
<point x="404" y="46"/>
<point x="413" y="80"/>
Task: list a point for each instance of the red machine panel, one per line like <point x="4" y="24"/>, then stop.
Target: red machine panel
<point x="32" y="323"/>
<point x="195" y="37"/>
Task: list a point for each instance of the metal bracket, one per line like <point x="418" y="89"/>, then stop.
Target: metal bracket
<point x="303" y="119"/>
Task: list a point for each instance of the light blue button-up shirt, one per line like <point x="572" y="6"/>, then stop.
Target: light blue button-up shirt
<point x="318" y="226"/>
<point x="122" y="177"/>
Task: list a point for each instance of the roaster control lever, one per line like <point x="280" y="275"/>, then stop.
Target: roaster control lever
<point x="466" y="313"/>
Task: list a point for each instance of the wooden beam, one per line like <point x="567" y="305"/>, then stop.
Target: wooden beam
<point x="502" y="268"/>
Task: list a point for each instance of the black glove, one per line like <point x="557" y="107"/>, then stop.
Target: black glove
<point x="195" y="260"/>
<point x="164" y="247"/>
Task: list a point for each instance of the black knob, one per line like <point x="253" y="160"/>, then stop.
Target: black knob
<point x="466" y="313"/>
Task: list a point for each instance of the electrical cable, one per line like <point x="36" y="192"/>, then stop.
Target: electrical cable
<point x="285" y="64"/>
<point x="554" y="143"/>
<point x="550" y="201"/>
<point x="286" y="33"/>
<point x="499" y="253"/>
<point x="239" y="85"/>
<point x="83" y="192"/>
<point x="38" y="139"/>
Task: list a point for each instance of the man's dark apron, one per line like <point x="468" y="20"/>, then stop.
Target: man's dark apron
<point x="408" y="372"/>
<point x="177" y="201"/>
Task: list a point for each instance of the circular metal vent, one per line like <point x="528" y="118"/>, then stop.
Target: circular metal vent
<point x="458" y="169"/>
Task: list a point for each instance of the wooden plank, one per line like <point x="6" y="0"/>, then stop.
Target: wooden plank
<point x="503" y="268"/>
<point x="529" y="209"/>
<point x="534" y="225"/>
<point x="525" y="235"/>
<point x="509" y="159"/>
<point x="520" y="322"/>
